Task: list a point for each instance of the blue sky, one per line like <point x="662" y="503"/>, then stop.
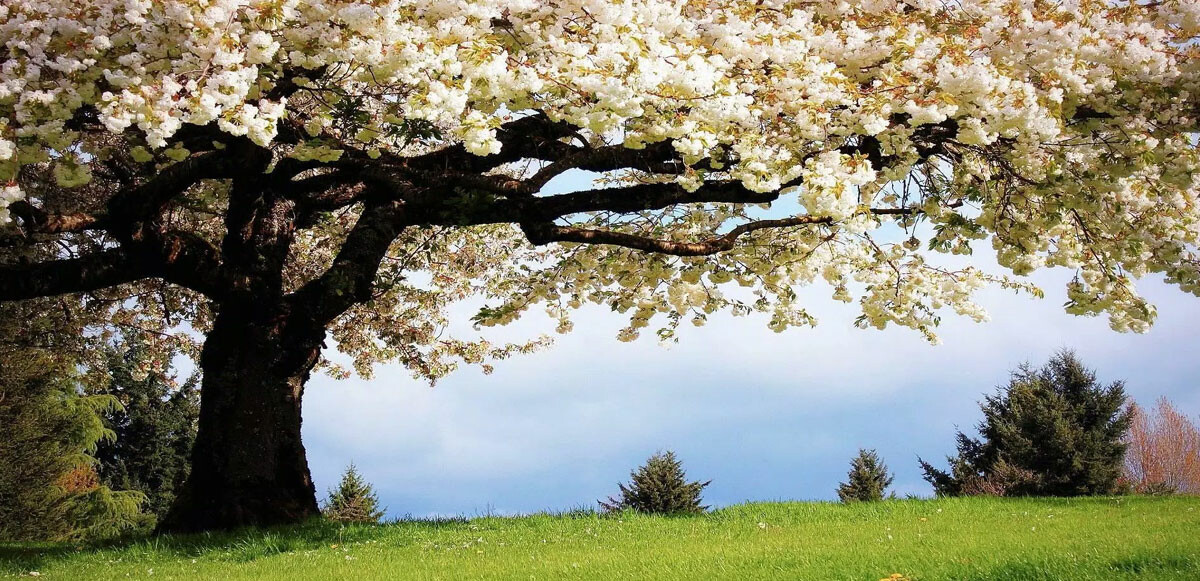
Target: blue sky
<point x="763" y="415"/>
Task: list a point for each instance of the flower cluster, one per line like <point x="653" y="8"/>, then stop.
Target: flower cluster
<point x="1059" y="129"/>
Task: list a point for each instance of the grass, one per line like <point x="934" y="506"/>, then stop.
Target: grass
<point x="978" y="538"/>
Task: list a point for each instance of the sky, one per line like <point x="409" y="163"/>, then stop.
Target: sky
<point x="764" y="416"/>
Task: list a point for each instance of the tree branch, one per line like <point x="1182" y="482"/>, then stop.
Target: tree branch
<point x="35" y="220"/>
<point x="532" y="136"/>
<point x="185" y="259"/>
<point x="350" y="278"/>
<point x="659" y="157"/>
<point x="149" y="199"/>
<point x="22" y="280"/>
<point x="440" y="210"/>
<point x="545" y="233"/>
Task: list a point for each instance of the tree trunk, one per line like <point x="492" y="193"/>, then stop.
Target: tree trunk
<point x="248" y="462"/>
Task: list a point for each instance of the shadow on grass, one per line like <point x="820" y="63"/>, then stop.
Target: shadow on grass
<point x="251" y="543"/>
<point x="240" y="545"/>
<point x="1157" y="563"/>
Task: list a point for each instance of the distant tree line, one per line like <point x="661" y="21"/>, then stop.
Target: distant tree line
<point x="1053" y="430"/>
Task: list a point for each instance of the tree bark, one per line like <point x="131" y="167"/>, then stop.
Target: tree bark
<point x="248" y="463"/>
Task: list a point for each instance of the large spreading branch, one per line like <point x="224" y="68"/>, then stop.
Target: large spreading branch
<point x="449" y="187"/>
<point x="130" y="207"/>
<point x="350" y="278"/>
<point x="35" y="220"/>
<point x="148" y="248"/>
<point x="542" y="233"/>
<point x="530" y="137"/>
<point x="26" y="280"/>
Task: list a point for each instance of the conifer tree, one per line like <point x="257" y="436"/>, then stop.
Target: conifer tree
<point x="48" y="486"/>
<point x="660" y="486"/>
<point x="1052" y="431"/>
<point x="868" y="478"/>
<point x="153" y="432"/>
<point x="354" y="500"/>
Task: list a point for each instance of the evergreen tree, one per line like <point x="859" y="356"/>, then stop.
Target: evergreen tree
<point x="354" y="500"/>
<point x="1052" y="431"/>
<point x="48" y="487"/>
<point x="154" y="430"/>
<point x="868" y="478"/>
<point x="660" y="486"/>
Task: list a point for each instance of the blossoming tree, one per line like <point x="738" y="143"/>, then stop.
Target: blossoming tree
<point x="271" y="173"/>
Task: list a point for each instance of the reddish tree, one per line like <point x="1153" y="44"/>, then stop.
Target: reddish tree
<point x="1164" y="450"/>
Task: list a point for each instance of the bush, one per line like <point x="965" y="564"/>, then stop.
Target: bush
<point x="660" y="486"/>
<point x="354" y="500"/>
<point x="868" y="478"/>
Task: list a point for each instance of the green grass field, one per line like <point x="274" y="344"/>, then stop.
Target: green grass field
<point x="980" y="538"/>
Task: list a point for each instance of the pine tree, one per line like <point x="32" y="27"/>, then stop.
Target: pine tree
<point x="354" y="500"/>
<point x="660" y="486"/>
<point x="48" y="486"/>
<point x="868" y="478"/>
<point x="1052" y="431"/>
<point x="154" y="430"/>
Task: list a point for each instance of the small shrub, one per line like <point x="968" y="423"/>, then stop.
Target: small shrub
<point x="1157" y="489"/>
<point x="660" y="486"/>
<point x="868" y="478"/>
<point x="101" y="513"/>
<point x="1004" y="479"/>
<point x="354" y="500"/>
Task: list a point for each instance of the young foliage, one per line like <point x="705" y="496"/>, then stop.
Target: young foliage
<point x="868" y="478"/>
<point x="1052" y="431"/>
<point x="659" y="486"/>
<point x="353" y="501"/>
<point x="95" y="511"/>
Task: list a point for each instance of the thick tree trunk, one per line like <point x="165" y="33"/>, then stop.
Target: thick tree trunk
<point x="248" y="463"/>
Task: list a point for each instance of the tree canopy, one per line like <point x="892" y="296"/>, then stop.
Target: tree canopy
<point x="1056" y="129"/>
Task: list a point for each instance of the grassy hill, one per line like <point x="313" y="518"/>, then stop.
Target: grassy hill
<point x="978" y="538"/>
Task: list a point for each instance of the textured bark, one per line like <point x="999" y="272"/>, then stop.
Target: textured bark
<point x="248" y="463"/>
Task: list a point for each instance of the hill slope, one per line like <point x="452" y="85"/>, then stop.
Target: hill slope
<point x="979" y="538"/>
